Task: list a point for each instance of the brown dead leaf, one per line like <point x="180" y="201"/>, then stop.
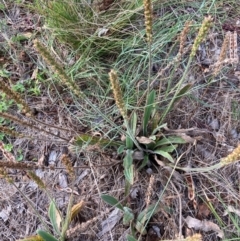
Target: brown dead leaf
<point x="144" y="140"/>
<point x="76" y="209"/>
<point x="34" y="74"/>
<point x="190" y="186"/>
<point x="204" y="225"/>
<point x="203" y="211"/>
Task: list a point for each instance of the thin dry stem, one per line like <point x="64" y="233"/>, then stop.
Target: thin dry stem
<point x="80" y="228"/>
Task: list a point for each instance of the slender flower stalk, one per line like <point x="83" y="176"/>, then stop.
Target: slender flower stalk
<point x="10" y="132"/>
<point x="232" y="157"/>
<point x="28" y="124"/>
<point x="18" y="165"/>
<point x="182" y="39"/>
<point x="57" y="68"/>
<point x="148" y="14"/>
<point x="37" y="179"/>
<point x="207" y="23"/>
<point x="118" y="96"/>
<point x="120" y="104"/>
<point x="67" y="163"/>
<point x="223" y="54"/>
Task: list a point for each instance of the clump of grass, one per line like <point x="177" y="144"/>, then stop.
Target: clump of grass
<point x="86" y="26"/>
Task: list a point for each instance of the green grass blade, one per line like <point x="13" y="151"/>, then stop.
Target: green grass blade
<point x="93" y="140"/>
<point x="182" y="92"/>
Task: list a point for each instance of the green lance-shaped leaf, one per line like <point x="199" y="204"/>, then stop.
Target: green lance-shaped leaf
<point x="128" y="216"/>
<point x="170" y="140"/>
<point x="128" y="167"/>
<point x="164" y="154"/>
<point x="133" y="127"/>
<point x="144" y="162"/>
<point x="148" y="111"/>
<point x="131" y="238"/>
<point x="55" y="217"/>
<point x="144" y="217"/>
<point x="46" y="236"/>
<point x="112" y="201"/>
<point x="169" y="149"/>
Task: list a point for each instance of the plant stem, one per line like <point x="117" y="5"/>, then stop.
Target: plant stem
<point x="179" y="84"/>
